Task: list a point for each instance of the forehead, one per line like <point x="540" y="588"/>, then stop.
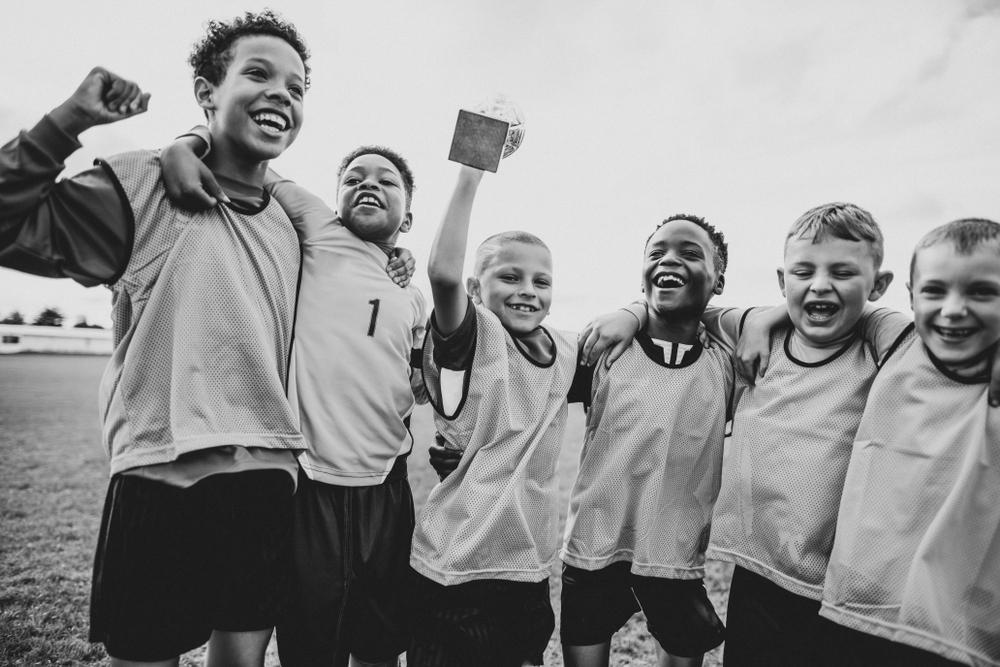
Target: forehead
<point x="372" y="162"/>
<point x="268" y="48"/>
<point x="828" y="250"/>
<point x="680" y="231"/>
<point x="528" y="257"/>
<point x="943" y="262"/>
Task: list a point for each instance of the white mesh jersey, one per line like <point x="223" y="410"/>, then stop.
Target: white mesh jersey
<point x="202" y="325"/>
<point x="496" y="516"/>
<point x="783" y="471"/>
<point x="917" y="554"/>
<point x="354" y="330"/>
<point x="651" y="461"/>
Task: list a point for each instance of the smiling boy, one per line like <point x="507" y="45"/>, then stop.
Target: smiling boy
<point x="193" y="542"/>
<point x="651" y="464"/>
<point x="353" y="387"/>
<point x="914" y="577"/>
<point x="784" y="469"/>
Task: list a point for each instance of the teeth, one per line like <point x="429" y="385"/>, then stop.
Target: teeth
<point x="523" y="308"/>
<point x="271" y="121"/>
<point x="368" y="200"/>
<point x="954" y="333"/>
<point x="667" y="280"/>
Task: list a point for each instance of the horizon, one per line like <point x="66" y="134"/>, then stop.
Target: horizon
<point x="745" y="116"/>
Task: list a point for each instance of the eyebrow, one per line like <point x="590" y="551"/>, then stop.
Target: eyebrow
<point x="261" y="60"/>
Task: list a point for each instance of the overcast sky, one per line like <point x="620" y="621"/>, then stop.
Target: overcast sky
<point x="747" y="113"/>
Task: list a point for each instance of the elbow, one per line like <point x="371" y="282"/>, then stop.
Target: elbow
<point x="443" y="278"/>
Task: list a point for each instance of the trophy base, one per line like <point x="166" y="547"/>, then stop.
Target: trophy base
<point x="478" y="141"/>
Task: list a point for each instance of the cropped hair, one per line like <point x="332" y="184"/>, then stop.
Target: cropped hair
<point x="841" y="221"/>
<point x="213" y="54"/>
<point x="490" y="248"/>
<point x="965" y="235"/>
<point x="717" y="237"/>
<point x="392" y="156"/>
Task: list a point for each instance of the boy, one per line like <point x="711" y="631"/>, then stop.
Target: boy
<point x="784" y="471"/>
<point x="193" y="542"/>
<point x="649" y="471"/>
<point x="914" y="577"/>
<point x="354" y="509"/>
<point x="486" y="538"/>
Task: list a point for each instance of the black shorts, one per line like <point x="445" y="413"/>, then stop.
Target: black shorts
<point x="844" y="647"/>
<point x="488" y="623"/>
<point x="175" y="563"/>
<point x="595" y="604"/>
<point x="350" y="573"/>
<point x="767" y="626"/>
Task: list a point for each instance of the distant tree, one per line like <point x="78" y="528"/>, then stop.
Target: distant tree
<point x="81" y="323"/>
<point x="50" y="317"/>
<point x="15" y="317"/>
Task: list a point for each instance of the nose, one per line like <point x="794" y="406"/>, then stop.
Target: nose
<point x="954" y="306"/>
<point x="669" y="258"/>
<point x="820" y="283"/>
<point x="526" y="288"/>
<point x="280" y="94"/>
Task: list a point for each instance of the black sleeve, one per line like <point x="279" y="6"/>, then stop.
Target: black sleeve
<point x="582" y="388"/>
<point x="79" y="227"/>
<point x="456" y="350"/>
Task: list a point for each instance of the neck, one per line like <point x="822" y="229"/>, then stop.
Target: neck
<point x="676" y="328"/>
<point x="223" y="160"/>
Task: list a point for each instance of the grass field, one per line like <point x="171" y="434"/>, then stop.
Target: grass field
<point x="52" y="484"/>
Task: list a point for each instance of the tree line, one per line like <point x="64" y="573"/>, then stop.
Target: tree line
<point x="49" y="317"/>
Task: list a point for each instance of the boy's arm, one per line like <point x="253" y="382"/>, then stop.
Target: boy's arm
<point x="613" y="330"/>
<point x="447" y="258"/>
<point x="80" y="227"/>
<point x="753" y="348"/>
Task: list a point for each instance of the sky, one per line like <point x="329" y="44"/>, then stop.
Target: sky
<point x="746" y="113"/>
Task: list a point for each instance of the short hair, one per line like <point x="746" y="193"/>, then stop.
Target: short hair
<point x="490" y="248"/>
<point x="213" y="54"/>
<point x="397" y="160"/>
<point x="842" y="221"/>
<point x="965" y="235"/>
<point x="717" y="237"/>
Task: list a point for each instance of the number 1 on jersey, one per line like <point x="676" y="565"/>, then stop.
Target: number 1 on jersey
<point x="371" y="325"/>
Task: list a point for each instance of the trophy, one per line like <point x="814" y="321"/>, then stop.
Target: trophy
<point x="488" y="132"/>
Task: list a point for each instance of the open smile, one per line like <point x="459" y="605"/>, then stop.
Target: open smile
<point x="668" y="280"/>
<point x="272" y="122"/>
<point x="523" y="307"/>
<point x="954" y="334"/>
<point x="368" y="200"/>
<point x="821" y="311"/>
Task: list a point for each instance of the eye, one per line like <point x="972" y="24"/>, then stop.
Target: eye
<point x="352" y="180"/>
<point x="390" y="183"/>
<point x="932" y="290"/>
<point x="509" y="278"/>
<point x="543" y="282"/>
<point x="844" y="275"/>
<point x="983" y="292"/>
<point x="692" y="254"/>
<point x="256" y="73"/>
<point x="655" y="254"/>
<point x="297" y="92"/>
<point x="801" y="273"/>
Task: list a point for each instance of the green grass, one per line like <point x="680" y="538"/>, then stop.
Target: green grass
<point x="52" y="484"/>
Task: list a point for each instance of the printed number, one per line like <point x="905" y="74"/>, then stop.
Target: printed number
<point x="371" y="325"/>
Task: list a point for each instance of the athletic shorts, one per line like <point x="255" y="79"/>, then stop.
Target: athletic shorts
<point x="769" y="626"/>
<point x="350" y="573"/>
<point x="487" y="623"/>
<point x="173" y="564"/>
<point x="844" y="647"/>
<point x="595" y="604"/>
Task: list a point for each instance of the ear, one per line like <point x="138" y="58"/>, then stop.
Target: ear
<point x="472" y="287"/>
<point x="204" y="93"/>
<point x="407" y="222"/>
<point x="882" y="281"/>
<point x="909" y="290"/>
<point x="720" y="283"/>
<point x="781" y="280"/>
